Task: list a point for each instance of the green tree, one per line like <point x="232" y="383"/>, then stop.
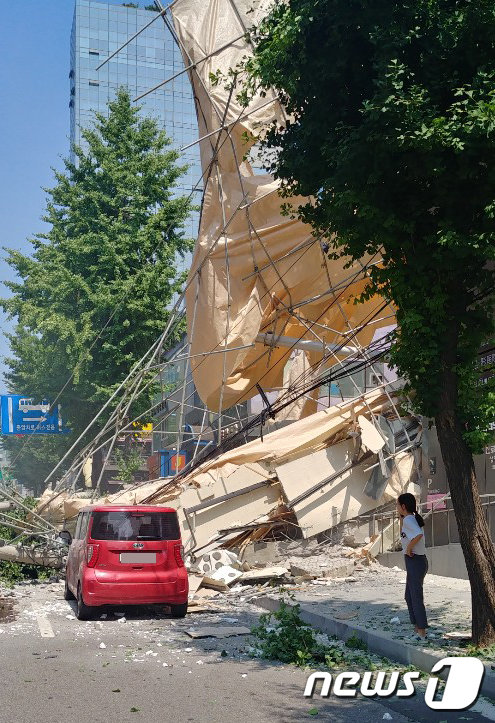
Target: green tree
<point x="115" y="228"/>
<point x="392" y="134"/>
<point x="128" y="463"/>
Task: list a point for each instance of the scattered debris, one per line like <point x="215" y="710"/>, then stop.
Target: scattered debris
<point x="6" y="611"/>
<point x="317" y="568"/>
<point x="346" y="615"/>
<point x="266" y="573"/>
<point x="194" y="584"/>
<point x="205" y="594"/>
<point x="459" y="635"/>
<point x="218" y="585"/>
<point x="215" y="560"/>
<point x="227" y="575"/>
<point x="220" y="631"/>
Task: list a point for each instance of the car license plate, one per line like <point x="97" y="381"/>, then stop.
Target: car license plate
<point x="137" y="557"/>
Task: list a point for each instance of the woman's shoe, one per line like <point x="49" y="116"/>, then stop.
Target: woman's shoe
<point x="417" y="638"/>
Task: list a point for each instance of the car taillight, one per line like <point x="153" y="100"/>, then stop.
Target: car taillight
<point x="179" y="555"/>
<point x="92" y="554"/>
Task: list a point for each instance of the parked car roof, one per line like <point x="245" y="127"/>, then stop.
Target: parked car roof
<point x="125" y="508"/>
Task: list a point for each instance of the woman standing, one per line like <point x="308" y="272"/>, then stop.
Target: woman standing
<point x="413" y="546"/>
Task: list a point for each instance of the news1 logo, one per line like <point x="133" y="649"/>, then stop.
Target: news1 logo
<point x="462" y="686"/>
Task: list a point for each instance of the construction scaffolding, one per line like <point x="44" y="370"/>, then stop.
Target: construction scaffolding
<point x="272" y="327"/>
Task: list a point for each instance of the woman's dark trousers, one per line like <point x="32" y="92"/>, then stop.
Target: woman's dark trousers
<point x="416" y="567"/>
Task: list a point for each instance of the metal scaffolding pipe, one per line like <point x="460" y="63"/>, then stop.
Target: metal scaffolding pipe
<point x="289" y="341"/>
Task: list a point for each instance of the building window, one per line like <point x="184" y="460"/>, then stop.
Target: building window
<point x="94" y="52"/>
<point x="94" y="82"/>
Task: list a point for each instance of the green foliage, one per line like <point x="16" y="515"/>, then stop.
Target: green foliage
<point x="13" y="572"/>
<point x="291" y="641"/>
<point x="356" y="643"/>
<point x="392" y="135"/>
<point x="128" y="463"/>
<point x="32" y="458"/>
<point x="96" y="291"/>
<point x="487" y="653"/>
<point x="283" y="636"/>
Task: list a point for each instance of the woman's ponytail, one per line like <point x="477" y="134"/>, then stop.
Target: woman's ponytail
<point x="409" y="502"/>
<point x="419" y="519"/>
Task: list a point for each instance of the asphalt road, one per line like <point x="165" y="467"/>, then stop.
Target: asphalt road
<point x="146" y="668"/>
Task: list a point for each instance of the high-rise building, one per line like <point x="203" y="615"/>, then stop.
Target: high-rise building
<point x="100" y="28"/>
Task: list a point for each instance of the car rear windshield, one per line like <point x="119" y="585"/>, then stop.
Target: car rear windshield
<point x="135" y="526"/>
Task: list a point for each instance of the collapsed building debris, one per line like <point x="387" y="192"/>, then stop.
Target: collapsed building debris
<point x="309" y="477"/>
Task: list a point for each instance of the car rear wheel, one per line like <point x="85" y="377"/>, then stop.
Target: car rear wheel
<point x="179" y="611"/>
<point x="83" y="611"/>
<point x="68" y="595"/>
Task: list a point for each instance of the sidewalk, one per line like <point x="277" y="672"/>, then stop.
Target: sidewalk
<point x="366" y="605"/>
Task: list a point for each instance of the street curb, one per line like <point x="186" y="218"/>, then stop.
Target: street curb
<point x="376" y="642"/>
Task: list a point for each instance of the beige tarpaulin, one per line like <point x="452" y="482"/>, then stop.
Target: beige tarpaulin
<point x="62" y="507"/>
<point x="298" y="367"/>
<point x="295" y="440"/>
<point x="253" y="268"/>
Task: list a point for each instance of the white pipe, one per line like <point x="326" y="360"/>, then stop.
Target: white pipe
<point x="305" y="344"/>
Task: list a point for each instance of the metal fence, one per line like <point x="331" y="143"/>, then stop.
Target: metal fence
<point x="440" y="523"/>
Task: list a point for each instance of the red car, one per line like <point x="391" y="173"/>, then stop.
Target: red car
<point x="126" y="555"/>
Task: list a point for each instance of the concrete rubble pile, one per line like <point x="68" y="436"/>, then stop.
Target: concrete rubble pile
<point x="303" y="480"/>
<point x="215" y="578"/>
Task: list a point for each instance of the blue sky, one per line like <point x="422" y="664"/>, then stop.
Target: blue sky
<point x="34" y="122"/>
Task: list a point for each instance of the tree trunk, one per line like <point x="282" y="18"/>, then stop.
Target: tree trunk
<point x="474" y="535"/>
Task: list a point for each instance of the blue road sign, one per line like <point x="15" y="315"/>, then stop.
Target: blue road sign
<point x="22" y="415"/>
